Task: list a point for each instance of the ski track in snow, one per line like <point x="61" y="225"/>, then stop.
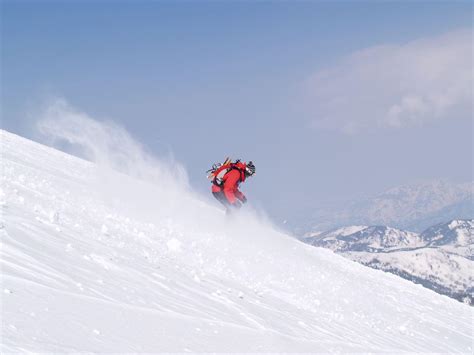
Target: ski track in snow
<point x="81" y="275"/>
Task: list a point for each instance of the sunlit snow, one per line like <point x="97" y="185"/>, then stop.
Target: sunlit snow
<point x="97" y="261"/>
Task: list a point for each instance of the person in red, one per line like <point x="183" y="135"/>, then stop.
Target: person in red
<point x="226" y="188"/>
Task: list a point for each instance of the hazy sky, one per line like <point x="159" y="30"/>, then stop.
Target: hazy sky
<point x="330" y="99"/>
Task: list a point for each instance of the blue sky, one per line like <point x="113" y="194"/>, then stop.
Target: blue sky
<point x="253" y="80"/>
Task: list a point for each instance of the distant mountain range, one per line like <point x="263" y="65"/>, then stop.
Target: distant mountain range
<point x="440" y="258"/>
<point x="412" y="207"/>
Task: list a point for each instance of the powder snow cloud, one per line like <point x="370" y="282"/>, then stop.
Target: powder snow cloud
<point x="396" y="85"/>
<point x="107" y="144"/>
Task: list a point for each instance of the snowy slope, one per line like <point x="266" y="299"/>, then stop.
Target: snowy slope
<point x="93" y="260"/>
<point x="441" y="258"/>
<point x="442" y="271"/>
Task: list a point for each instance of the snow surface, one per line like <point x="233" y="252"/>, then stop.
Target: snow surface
<point x="442" y="256"/>
<point x="435" y="265"/>
<point x="96" y="261"/>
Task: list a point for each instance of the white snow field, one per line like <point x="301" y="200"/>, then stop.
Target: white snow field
<point x="97" y="261"/>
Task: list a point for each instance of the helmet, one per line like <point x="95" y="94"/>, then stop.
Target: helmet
<point x="250" y="169"/>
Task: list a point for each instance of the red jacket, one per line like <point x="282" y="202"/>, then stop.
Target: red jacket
<point x="230" y="184"/>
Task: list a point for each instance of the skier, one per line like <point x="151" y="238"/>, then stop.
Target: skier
<point x="226" y="181"/>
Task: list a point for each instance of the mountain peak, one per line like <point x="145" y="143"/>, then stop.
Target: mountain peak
<point x="361" y="238"/>
<point x="458" y="232"/>
<point x="414" y="207"/>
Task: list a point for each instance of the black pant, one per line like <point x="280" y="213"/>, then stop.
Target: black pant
<point x="229" y="207"/>
<point x="220" y="196"/>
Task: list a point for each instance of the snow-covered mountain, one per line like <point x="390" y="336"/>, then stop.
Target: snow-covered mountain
<point x="456" y="236"/>
<point x="441" y="258"/>
<point x="414" y="207"/>
<point x="94" y="260"/>
<point x="365" y="238"/>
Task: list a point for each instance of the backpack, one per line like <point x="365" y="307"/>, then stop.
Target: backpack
<point x="218" y="170"/>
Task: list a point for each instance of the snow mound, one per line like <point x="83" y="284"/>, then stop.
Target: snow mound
<point x="95" y="260"/>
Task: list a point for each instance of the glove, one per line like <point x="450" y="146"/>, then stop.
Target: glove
<point x="243" y="199"/>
